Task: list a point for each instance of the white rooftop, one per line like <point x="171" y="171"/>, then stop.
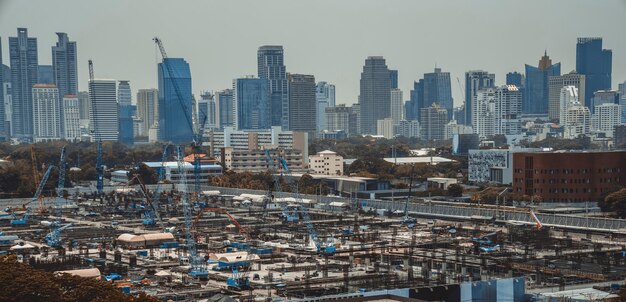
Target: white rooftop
<point x="418" y="160"/>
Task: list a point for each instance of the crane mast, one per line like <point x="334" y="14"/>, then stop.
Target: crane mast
<point x="95" y="131"/>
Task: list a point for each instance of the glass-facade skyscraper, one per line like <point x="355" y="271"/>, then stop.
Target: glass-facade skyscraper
<point x="416" y="102"/>
<point x="175" y="113"/>
<point x="325" y="97"/>
<point x="302" y="103"/>
<point x="127" y="135"/>
<point x="515" y="78"/>
<point x="475" y="80"/>
<point x="103" y="112"/>
<point x="45" y="74"/>
<point x="64" y="65"/>
<point x="224" y="108"/>
<point x="375" y="96"/>
<point x="434" y="88"/>
<point x="252" y="105"/>
<point x="24" y="63"/>
<point x="536" y="100"/>
<point x="595" y="63"/>
<point x="271" y="67"/>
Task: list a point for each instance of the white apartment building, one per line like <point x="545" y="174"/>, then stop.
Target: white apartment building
<point x="384" y="127"/>
<point x="46" y="109"/>
<point x="327" y="163"/>
<point x="71" y="117"/>
<point x="397" y="105"/>
<point x="605" y="118"/>
<point x="407" y="128"/>
<point x="497" y="111"/>
<point x="256" y="161"/>
<point x="577" y="121"/>
<point x="568" y="97"/>
<point x="103" y="112"/>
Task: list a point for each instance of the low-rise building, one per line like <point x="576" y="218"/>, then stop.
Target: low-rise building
<point x="492" y="165"/>
<point x="173" y="175"/>
<point x="256" y="160"/>
<point x="327" y="163"/>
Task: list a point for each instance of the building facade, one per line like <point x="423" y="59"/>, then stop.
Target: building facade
<point x="568" y="96"/>
<point x="224" y="109"/>
<point x="515" y="78"/>
<point x="71" y="118"/>
<point x="407" y="129"/>
<point x="437" y="89"/>
<point x="397" y="105"/>
<point x="603" y="97"/>
<point x="568" y="176"/>
<point x="271" y="68"/>
<point x="595" y="63"/>
<point x="125" y="106"/>
<point x="251" y="104"/>
<point x="148" y="108"/>
<point x="64" y="65"/>
<point x="342" y="118"/>
<point x="556" y="83"/>
<point x="302" y="103"/>
<point x="498" y="111"/>
<point x="605" y="118"/>
<point x="325" y="97"/>
<point x="46" y="108"/>
<point x="433" y="122"/>
<point x="385" y="128"/>
<point x="327" y="163"/>
<point x="4" y="131"/>
<point x="103" y="112"/>
<point x="536" y="87"/>
<point x="24" y="65"/>
<point x="255" y="161"/>
<point x="175" y="114"/>
<point x="475" y="80"/>
<point x="375" y="94"/>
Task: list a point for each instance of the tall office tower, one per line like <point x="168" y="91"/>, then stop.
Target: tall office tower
<point x="515" y="78"/>
<point x="71" y="117"/>
<point x="45" y="74"/>
<point x="577" y="121"/>
<point x="84" y="103"/>
<point x="416" y="102"/>
<point x="23" y="56"/>
<point x="603" y="97"/>
<point x="556" y="83"/>
<point x="356" y="110"/>
<point x="475" y="80"/>
<point x="3" y="130"/>
<point x="605" y="118"/>
<point x="325" y="97"/>
<point x="498" y="111"/>
<point x="251" y="104"/>
<point x="206" y="110"/>
<point x="125" y="106"/>
<point x="437" y="90"/>
<point x="64" y="65"/>
<point x="375" y="97"/>
<point x="224" y="109"/>
<point x="567" y="97"/>
<point x="302" y="103"/>
<point x="622" y="101"/>
<point x="536" y="87"/>
<point x="271" y="67"/>
<point x="8" y="103"/>
<point x="393" y="76"/>
<point x="433" y="122"/>
<point x="397" y="107"/>
<point x="340" y="118"/>
<point x="596" y="64"/>
<point x="46" y="107"/>
<point x="175" y="114"/>
<point x="103" y="112"/>
<point x="148" y="108"/>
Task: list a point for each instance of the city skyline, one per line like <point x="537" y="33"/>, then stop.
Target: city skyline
<point x="135" y="59"/>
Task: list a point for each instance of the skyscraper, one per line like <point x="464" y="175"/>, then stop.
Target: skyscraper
<point x="206" y="110"/>
<point x="416" y="102"/>
<point x="127" y="135"/>
<point x="251" y="108"/>
<point x="71" y="117"/>
<point x="603" y="97"/>
<point x="621" y="88"/>
<point x="325" y="97"/>
<point x="175" y="112"/>
<point x="8" y="103"/>
<point x="433" y="120"/>
<point x="148" y="108"/>
<point x="46" y="107"/>
<point x="302" y="103"/>
<point x="498" y="111"/>
<point x="342" y="118"/>
<point x="3" y="133"/>
<point x="224" y="108"/>
<point x="24" y="63"/>
<point x="103" y="112"/>
<point x="64" y="65"/>
<point x="397" y="107"/>
<point x="515" y="78"/>
<point x="536" y="88"/>
<point x="596" y="64"/>
<point x="271" y="67"/>
<point x="45" y="74"/>
<point x="475" y="80"/>
<point x="437" y="90"/>
<point x="556" y="83"/>
<point x="393" y="75"/>
<point x="375" y="96"/>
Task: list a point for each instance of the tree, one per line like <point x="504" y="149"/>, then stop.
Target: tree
<point x="455" y="190"/>
<point x="616" y="201"/>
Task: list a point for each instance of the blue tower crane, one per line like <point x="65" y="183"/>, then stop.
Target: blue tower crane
<point x="37" y="195"/>
<point x="409" y="221"/>
<point x="151" y="213"/>
<point x="53" y="239"/>
<point x="288" y="215"/>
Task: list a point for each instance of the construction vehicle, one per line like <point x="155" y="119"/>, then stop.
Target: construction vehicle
<point x="53" y="239"/>
<point x="37" y="196"/>
<point x="99" y="161"/>
<point x="198" y="265"/>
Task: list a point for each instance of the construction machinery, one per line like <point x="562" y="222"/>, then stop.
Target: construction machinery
<point x="37" y="196"/>
<point x="289" y="213"/>
<point x="241" y="229"/>
<point x="408" y="221"/>
<point x="151" y="213"/>
<point x="95" y="132"/>
<point x="53" y="239"/>
<point x="198" y="265"/>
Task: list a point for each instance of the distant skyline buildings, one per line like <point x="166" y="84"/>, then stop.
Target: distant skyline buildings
<point x="175" y="112"/>
<point x="556" y="83"/>
<point x="124" y="103"/>
<point x="302" y="103"/>
<point x="536" y="87"/>
<point x="3" y="118"/>
<point x="271" y="67"/>
<point x="64" y="65"/>
<point x="475" y="80"/>
<point x="375" y="96"/>
<point x="103" y="112"/>
<point x="224" y="109"/>
<point x="24" y="66"/>
<point x="148" y="108"/>
<point x="596" y="64"/>
<point x="46" y="108"/>
<point x="251" y="104"/>
<point x="325" y="97"/>
<point x="71" y="117"/>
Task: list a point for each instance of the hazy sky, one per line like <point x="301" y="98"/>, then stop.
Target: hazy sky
<point x="327" y="38"/>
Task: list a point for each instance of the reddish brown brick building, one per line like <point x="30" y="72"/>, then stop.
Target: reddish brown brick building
<point x="568" y="176"/>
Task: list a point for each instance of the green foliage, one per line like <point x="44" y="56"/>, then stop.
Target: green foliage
<point x="455" y="190"/>
<point x="616" y="202"/>
<point x="580" y="143"/>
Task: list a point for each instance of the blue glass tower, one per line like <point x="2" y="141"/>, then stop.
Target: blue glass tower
<point x="271" y="67"/>
<point x="413" y="106"/>
<point x="24" y="63"/>
<point x="127" y="136"/>
<point x="393" y="76"/>
<point x="175" y="117"/>
<point x="437" y="90"/>
<point x="515" y="78"/>
<point x="252" y="105"/>
<point x="475" y="80"/>
<point x="536" y="100"/>
<point x="224" y="108"/>
<point x="595" y="63"/>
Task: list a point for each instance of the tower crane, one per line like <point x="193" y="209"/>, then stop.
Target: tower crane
<point x="60" y="187"/>
<point x="95" y="131"/>
<point x="408" y="221"/>
<point x="37" y="196"/>
<point x="152" y="209"/>
<point x="198" y="265"/>
<point x="289" y="216"/>
<point x="53" y="239"/>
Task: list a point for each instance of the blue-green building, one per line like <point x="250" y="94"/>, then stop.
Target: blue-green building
<point x="175" y="122"/>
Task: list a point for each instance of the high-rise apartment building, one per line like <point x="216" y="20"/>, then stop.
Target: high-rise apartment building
<point x="603" y="97"/>
<point x="46" y="108"/>
<point x="84" y="103"/>
<point x="302" y="103"/>
<point x="397" y="105"/>
<point x="568" y="97"/>
<point x="224" y="108"/>
<point x="375" y="96"/>
<point x="148" y="109"/>
<point x="536" y="98"/>
<point x="251" y="104"/>
<point x="125" y="106"/>
<point x="24" y="63"/>
<point x="596" y="64"/>
<point x="342" y="118"/>
<point x="416" y="102"/>
<point x="71" y="117"/>
<point x="6" y="96"/>
<point x="556" y="83"/>
<point x="433" y="121"/>
<point x="206" y="110"/>
<point x="498" y="111"/>
<point x="3" y="129"/>
<point x="103" y="112"/>
<point x="385" y="128"/>
<point x="64" y="65"/>
<point x="271" y="67"/>
<point x="325" y="97"/>
<point x="407" y="129"/>
<point x="621" y="88"/>
<point x="437" y="89"/>
<point x="605" y="118"/>
<point x="577" y="121"/>
<point x="175" y="111"/>
<point x="475" y="80"/>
